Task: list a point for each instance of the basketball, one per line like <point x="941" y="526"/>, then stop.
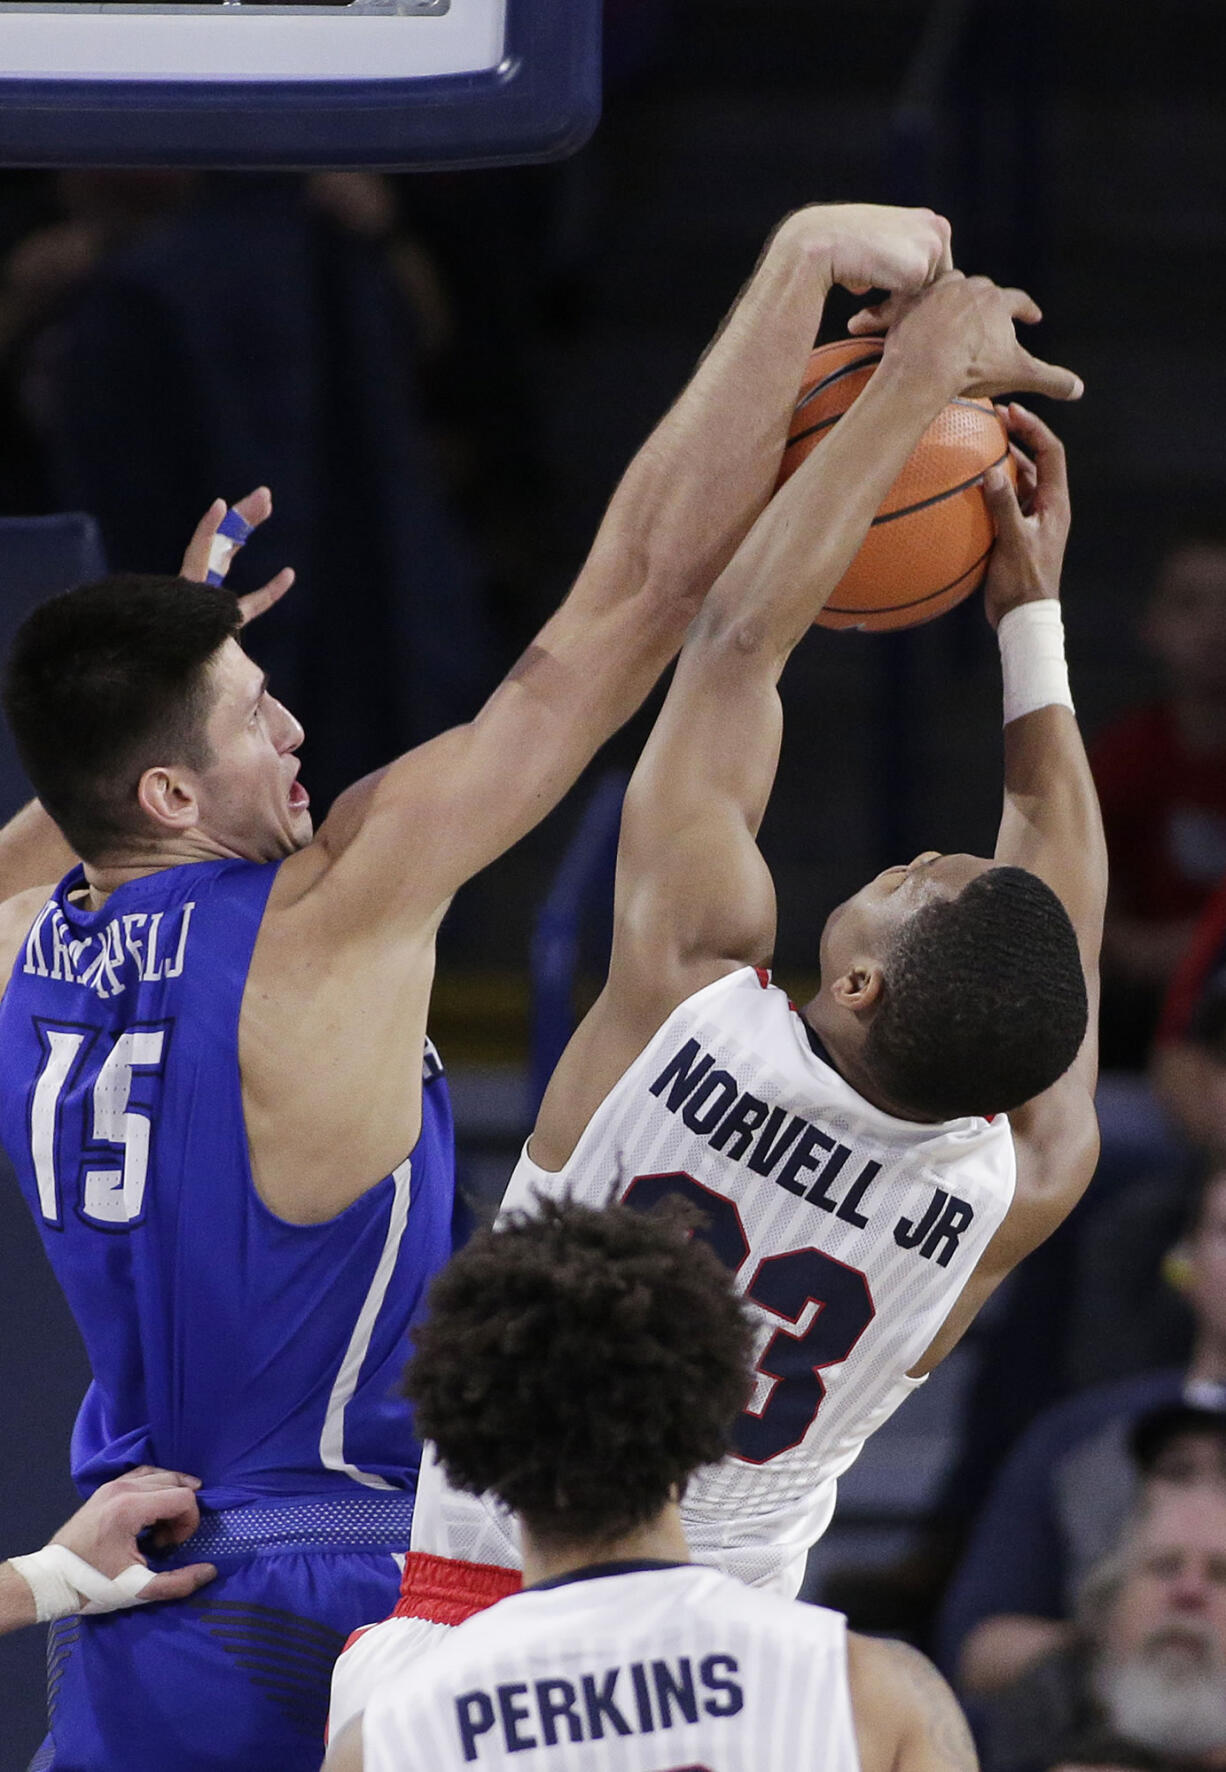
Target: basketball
<point x="931" y="540"/>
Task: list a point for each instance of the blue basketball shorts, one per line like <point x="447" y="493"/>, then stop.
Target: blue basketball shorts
<point x="237" y="1678"/>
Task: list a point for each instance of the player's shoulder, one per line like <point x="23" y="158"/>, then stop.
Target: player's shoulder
<point x="765" y="1611"/>
<point x="17" y="914"/>
<point x="898" y="1697"/>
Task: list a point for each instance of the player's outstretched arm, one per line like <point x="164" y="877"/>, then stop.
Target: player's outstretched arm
<point x="694" y="896"/>
<point x="94" y="1560"/>
<point x="682" y="508"/>
<point x="906" y="1718"/>
<point x="1050" y="824"/>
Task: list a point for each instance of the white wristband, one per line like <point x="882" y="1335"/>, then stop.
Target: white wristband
<point x="1032" y="662"/>
<point x="58" y="1578"/>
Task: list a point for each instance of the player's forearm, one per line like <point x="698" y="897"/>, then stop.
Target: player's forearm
<point x="784" y="572"/>
<point x="32" y="852"/>
<point x="691" y="493"/>
<point x="16" y="1600"/>
<point x="1051" y="822"/>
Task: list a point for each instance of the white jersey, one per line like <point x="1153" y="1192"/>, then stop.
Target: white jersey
<point x="629" y="1668"/>
<point x="849" y="1232"/>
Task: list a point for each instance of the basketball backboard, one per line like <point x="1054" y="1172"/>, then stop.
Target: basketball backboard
<point x="296" y="83"/>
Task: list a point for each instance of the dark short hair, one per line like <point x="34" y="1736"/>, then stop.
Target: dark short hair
<point x="1155" y="1431"/>
<point x="105" y="681"/>
<point x="581" y="1365"/>
<point x="984" y="1003"/>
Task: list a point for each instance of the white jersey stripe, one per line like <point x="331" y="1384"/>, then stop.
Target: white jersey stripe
<point x="332" y="1439"/>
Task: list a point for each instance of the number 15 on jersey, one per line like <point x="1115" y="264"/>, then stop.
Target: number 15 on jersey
<point x="103" y="1147"/>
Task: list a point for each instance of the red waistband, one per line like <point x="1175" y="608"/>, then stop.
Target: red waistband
<point x="446" y="1590"/>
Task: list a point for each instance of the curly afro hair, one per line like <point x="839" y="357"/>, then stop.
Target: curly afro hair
<point x="582" y="1365"/>
<point x="984" y="1004"/>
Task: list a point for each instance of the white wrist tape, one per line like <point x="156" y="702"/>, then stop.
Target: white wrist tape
<point x="1032" y="661"/>
<point x="58" y="1578"/>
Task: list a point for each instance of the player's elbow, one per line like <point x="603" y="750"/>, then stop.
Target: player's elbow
<point x="735" y="638"/>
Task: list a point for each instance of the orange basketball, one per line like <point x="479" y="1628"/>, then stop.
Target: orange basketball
<point x="931" y="540"/>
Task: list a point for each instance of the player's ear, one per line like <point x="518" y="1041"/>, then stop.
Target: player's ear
<point x="860" y="987"/>
<point x="166" y="797"/>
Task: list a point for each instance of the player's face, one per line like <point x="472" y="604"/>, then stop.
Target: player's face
<point x="863" y="929"/>
<point x="250" y="800"/>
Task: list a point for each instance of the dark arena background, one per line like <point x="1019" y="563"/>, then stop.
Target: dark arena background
<point x="441" y="375"/>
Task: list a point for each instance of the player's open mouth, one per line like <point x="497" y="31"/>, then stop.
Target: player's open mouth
<point x="299" y="799"/>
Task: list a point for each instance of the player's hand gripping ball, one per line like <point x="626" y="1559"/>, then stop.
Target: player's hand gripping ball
<point x="931" y="540"/>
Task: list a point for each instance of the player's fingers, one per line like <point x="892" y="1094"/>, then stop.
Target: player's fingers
<point x="1037" y="377"/>
<point x="176" y="1584"/>
<point x="256" y="602"/>
<point x="945" y="258"/>
<point x="1022" y="307"/>
<point x="256" y="506"/>
<point x="1027" y="478"/>
<point x="196" y="557"/>
<point x="152" y="1476"/>
<point x="173" y="1511"/>
<point x="1002" y="502"/>
<point x="874" y="319"/>
<point x="1050" y="462"/>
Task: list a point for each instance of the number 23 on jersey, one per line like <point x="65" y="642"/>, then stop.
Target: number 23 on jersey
<point x="783" y="1285"/>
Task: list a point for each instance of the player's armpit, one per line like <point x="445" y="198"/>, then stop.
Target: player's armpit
<point x="693" y="891"/>
<point x="1056" y="1141"/>
<point x="906" y="1717"/>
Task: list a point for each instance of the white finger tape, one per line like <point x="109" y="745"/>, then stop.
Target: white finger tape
<point x="60" y="1581"/>
<point x="222" y="550"/>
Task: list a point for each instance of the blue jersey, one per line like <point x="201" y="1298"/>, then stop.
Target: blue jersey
<point x="260" y="1355"/>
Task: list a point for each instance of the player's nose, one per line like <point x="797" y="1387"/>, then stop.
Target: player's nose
<point x="290" y="733"/>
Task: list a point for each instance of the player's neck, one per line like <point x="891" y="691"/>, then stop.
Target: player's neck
<point x="107" y="876"/>
<point x="843" y="1038"/>
<point x="660" y="1540"/>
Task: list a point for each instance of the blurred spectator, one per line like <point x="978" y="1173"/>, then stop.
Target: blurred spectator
<point x="1124" y="1317"/>
<point x="1189" y="1061"/>
<point x="1056" y="1503"/>
<point x="173" y="333"/>
<point x="1143" y="1683"/>
<point x="1161" y="776"/>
